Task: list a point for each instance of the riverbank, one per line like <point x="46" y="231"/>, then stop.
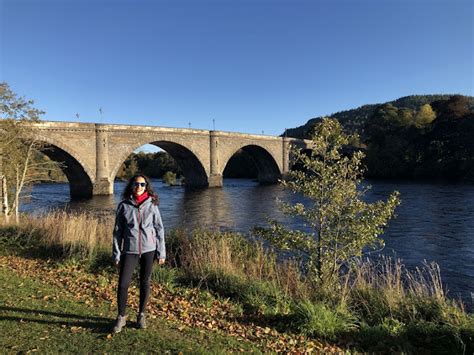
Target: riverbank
<point x="224" y="284"/>
<point x="433" y="223"/>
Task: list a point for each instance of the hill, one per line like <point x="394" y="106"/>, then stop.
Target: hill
<point x="355" y="119"/>
<point x="414" y="137"/>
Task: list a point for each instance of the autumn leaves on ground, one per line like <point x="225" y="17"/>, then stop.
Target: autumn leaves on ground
<point x="51" y="308"/>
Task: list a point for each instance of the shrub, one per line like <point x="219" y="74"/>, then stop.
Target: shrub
<point x="264" y="298"/>
<point x="166" y="276"/>
<point x="205" y="298"/>
<point x="438" y="338"/>
<point x="320" y="321"/>
<point x="380" y="338"/>
<point x="256" y="297"/>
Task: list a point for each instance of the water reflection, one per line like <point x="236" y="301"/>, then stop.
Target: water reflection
<point x="205" y="207"/>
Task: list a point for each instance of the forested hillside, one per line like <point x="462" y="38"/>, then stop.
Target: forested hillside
<point x="356" y="119"/>
<point x="414" y="137"/>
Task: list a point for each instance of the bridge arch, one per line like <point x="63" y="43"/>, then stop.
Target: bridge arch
<point x="80" y="177"/>
<point x="268" y="170"/>
<point x="192" y="168"/>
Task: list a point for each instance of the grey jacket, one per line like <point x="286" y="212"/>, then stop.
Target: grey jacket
<point x="138" y="229"/>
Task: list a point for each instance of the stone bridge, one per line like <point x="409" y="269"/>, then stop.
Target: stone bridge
<point x="93" y="153"/>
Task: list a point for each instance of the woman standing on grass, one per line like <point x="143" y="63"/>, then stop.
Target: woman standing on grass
<point x="138" y="238"/>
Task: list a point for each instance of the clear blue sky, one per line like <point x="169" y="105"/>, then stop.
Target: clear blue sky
<point x="252" y="65"/>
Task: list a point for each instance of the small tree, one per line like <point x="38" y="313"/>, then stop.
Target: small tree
<point x="342" y="224"/>
<point x="19" y="149"/>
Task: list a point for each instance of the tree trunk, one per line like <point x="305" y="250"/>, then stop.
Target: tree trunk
<point x="2" y="191"/>
<point x="20" y="180"/>
<point x="17" y="215"/>
<point x="319" y="262"/>
<point x="4" y="203"/>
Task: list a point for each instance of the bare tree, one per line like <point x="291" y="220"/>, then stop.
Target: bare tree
<point x="19" y="149"/>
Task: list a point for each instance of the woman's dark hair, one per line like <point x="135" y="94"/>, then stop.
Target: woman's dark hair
<point x="128" y="191"/>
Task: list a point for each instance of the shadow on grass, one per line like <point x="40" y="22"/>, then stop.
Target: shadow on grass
<point x="50" y="313"/>
<point x="96" y="324"/>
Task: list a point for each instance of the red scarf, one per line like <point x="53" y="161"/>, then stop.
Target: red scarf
<point x="139" y="199"/>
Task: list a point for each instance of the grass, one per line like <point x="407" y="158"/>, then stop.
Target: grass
<point x="376" y="306"/>
<point x="31" y="321"/>
<point x="320" y="321"/>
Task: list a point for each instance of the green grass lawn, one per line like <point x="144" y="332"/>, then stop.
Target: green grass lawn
<point x="39" y="317"/>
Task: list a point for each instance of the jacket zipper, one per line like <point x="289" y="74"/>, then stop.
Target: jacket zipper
<point x="139" y="234"/>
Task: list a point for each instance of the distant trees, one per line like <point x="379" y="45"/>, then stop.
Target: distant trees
<point x="455" y="107"/>
<point x="423" y="136"/>
<point x="154" y="165"/>
<point x="355" y="120"/>
<point x="424" y="116"/>
<point x="433" y="144"/>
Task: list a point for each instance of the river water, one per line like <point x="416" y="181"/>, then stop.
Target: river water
<point x="435" y="222"/>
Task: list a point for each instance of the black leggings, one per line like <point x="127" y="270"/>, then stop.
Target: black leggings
<point x="128" y="262"/>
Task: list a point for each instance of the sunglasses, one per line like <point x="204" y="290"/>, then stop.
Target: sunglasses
<point x="136" y="184"/>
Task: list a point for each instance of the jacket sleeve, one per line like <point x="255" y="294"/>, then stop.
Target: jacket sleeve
<point x="160" y="234"/>
<point x="118" y="234"/>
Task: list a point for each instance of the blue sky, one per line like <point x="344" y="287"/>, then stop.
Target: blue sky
<point x="251" y="65"/>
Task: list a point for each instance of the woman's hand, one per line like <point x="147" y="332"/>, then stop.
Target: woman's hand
<point x="161" y="261"/>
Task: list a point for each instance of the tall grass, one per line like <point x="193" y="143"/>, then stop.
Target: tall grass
<point x="396" y="280"/>
<point x="79" y="235"/>
<point x="237" y="267"/>
<point x="203" y="254"/>
<point x="387" y="289"/>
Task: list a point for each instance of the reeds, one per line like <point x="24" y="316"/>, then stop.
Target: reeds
<point x="202" y="254"/>
<point x="79" y="235"/>
<point x="396" y="280"/>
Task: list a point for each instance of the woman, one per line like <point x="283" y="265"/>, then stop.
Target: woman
<point x="138" y="238"/>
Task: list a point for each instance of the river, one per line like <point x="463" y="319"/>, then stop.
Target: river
<point x="435" y="222"/>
